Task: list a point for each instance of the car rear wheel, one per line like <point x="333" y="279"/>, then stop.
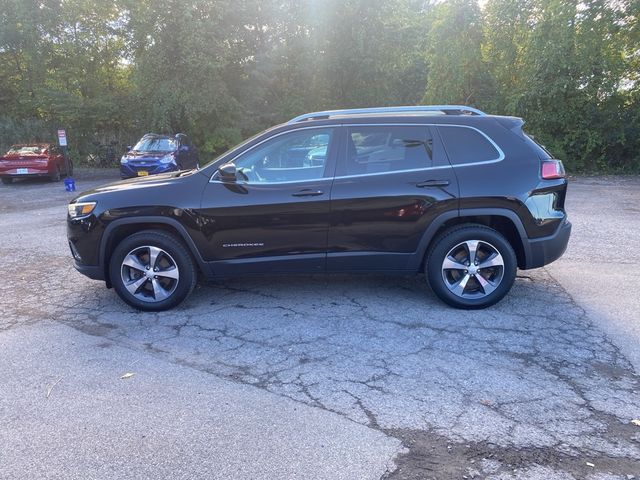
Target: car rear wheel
<point x="471" y="266"/>
<point x="152" y="270"/>
<point x="57" y="175"/>
<point x="7" y="180"/>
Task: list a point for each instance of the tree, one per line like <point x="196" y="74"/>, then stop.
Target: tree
<point x="457" y="71"/>
<point x="220" y="70"/>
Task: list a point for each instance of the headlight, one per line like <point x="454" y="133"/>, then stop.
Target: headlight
<point x="124" y="159"/>
<point x="81" y="209"/>
<point x="168" y="158"/>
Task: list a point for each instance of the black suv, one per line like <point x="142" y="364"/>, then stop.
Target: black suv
<point x="463" y="196"/>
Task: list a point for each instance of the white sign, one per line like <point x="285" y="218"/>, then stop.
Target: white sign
<point x="62" y="138"/>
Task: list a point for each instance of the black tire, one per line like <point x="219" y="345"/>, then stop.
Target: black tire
<point x="7" y="180"/>
<point x="441" y="280"/>
<point x="174" y="252"/>
<point x="57" y="175"/>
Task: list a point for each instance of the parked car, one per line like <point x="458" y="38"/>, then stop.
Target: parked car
<point x="155" y="154"/>
<point x="33" y="160"/>
<point x="463" y="196"/>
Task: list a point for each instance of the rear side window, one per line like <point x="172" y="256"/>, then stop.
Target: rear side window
<point x="467" y="145"/>
<point x="381" y="149"/>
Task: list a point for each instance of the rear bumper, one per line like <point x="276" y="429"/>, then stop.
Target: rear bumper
<point x="39" y="171"/>
<point x="542" y="251"/>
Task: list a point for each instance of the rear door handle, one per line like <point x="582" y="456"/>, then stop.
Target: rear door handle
<point x="433" y="183"/>
<point x="308" y="193"/>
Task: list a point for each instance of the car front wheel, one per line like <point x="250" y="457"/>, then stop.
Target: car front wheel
<point x="471" y="266"/>
<point x="152" y="270"/>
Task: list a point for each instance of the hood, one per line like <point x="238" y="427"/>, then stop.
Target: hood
<point x="140" y="155"/>
<point x="132" y="184"/>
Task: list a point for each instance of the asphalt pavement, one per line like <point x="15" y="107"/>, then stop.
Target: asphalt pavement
<point x="321" y="376"/>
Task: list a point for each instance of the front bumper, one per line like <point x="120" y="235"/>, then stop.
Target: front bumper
<point x="129" y="170"/>
<point x="543" y="251"/>
<point x="94" y="272"/>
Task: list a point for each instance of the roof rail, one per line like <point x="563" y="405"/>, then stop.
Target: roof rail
<point x="447" y="109"/>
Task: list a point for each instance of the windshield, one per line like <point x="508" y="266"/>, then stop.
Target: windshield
<point x="26" y="149"/>
<point x="238" y="146"/>
<point x="156" y="144"/>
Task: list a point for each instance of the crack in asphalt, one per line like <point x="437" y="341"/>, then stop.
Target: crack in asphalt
<point x="547" y="381"/>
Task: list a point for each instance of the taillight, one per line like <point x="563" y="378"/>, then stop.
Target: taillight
<point x="552" y="169"/>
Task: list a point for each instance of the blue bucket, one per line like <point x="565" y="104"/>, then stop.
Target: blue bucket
<point x="69" y="184"/>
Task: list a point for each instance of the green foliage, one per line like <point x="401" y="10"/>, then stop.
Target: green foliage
<point x="220" y="70"/>
<point x="27" y="130"/>
<point x="560" y="65"/>
<point x="458" y="73"/>
<point x="220" y="140"/>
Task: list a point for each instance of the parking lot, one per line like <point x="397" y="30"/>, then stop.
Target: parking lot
<point x="322" y="376"/>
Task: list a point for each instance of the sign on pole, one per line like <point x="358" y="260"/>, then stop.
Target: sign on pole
<point x="62" y="138"/>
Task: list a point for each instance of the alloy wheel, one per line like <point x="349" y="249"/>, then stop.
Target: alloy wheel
<point x="473" y="269"/>
<point x="149" y="273"/>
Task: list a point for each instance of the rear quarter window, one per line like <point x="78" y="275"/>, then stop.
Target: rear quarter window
<point x="467" y="145"/>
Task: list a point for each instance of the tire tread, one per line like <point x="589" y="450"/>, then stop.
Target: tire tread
<point x="443" y="238"/>
<point x="176" y="243"/>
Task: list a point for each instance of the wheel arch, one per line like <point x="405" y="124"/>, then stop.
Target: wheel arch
<point x="120" y="229"/>
<point x="502" y="220"/>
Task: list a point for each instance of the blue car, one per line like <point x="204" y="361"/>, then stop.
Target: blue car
<point x="155" y="154"/>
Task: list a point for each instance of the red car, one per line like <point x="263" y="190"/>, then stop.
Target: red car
<point x="33" y="160"/>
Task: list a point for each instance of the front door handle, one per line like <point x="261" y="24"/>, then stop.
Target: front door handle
<point x="308" y="193"/>
<point x="433" y="183"/>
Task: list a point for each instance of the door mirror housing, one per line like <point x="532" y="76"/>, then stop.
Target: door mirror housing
<point x="129" y="147"/>
<point x="227" y="172"/>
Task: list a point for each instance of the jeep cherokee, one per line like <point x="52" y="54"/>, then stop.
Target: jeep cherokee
<point x="465" y="197"/>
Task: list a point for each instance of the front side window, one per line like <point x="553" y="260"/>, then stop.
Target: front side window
<point x="381" y="149"/>
<point x="291" y="157"/>
<point x="467" y="145"/>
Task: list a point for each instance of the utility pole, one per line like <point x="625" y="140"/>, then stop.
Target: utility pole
<point x="69" y="182"/>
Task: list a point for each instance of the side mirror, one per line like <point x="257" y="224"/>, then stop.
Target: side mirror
<point x="129" y="148"/>
<point x="227" y="172"/>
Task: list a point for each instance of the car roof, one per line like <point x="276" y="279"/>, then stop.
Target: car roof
<point x="346" y="119"/>
<point x="158" y="135"/>
<point x="398" y="110"/>
<point x="163" y="135"/>
<point x="35" y="144"/>
<point x="466" y="120"/>
<point x="427" y="114"/>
